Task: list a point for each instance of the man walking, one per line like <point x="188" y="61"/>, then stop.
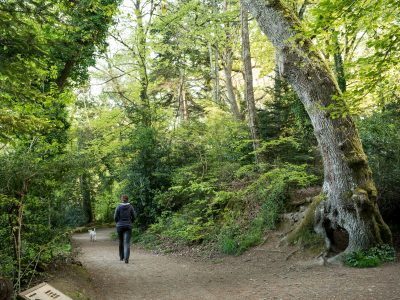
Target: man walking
<point x="124" y="216"/>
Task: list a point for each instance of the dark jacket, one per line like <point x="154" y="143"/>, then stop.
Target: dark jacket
<point x="124" y="215"/>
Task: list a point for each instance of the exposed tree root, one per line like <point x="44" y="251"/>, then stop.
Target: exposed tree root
<point x="307" y="223"/>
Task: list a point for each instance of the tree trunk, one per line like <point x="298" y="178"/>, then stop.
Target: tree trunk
<point x="214" y="72"/>
<point x="65" y="73"/>
<point x="18" y="242"/>
<point x="230" y="93"/>
<point x="141" y="60"/>
<point x="86" y="197"/>
<point x="183" y="105"/>
<point x="6" y="289"/>
<point x="303" y="9"/>
<point x="349" y="217"/>
<point x="227" y="64"/>
<point x="16" y="222"/>
<point x="248" y="78"/>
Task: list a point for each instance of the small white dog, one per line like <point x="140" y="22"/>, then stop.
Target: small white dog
<point x="92" y="234"/>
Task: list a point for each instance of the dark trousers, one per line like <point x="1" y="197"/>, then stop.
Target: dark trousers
<point x="124" y="235"/>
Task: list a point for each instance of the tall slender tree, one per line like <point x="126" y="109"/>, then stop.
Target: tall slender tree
<point x="248" y="79"/>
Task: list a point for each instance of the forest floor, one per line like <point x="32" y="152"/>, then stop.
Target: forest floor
<point x="264" y="272"/>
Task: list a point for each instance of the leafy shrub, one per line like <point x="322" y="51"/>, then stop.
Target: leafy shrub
<point x="282" y="147"/>
<point x="223" y="201"/>
<point x="197" y="220"/>
<point x="248" y="172"/>
<point x="74" y="216"/>
<point x="6" y="265"/>
<point x="149" y="239"/>
<point x="272" y="190"/>
<point x="370" y="258"/>
<point x="361" y="259"/>
<point x="188" y="225"/>
<point x="179" y="195"/>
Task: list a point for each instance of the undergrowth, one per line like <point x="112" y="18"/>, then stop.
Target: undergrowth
<point x="310" y="240"/>
<point x="234" y="220"/>
<point x="372" y="257"/>
<point x="36" y="259"/>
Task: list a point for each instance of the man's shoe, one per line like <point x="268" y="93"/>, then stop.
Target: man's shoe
<point x="126" y="261"/>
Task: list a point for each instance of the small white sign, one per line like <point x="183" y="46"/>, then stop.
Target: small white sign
<point x="43" y="291"/>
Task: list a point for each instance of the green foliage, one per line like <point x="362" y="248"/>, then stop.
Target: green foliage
<point x="189" y="225"/>
<point x="381" y="140"/>
<point x="281" y="149"/>
<point x="42" y="47"/>
<point x="178" y="195"/>
<point x="270" y="190"/>
<point x="45" y="46"/>
<point x="191" y="178"/>
<point x="41" y="246"/>
<point x="146" y="172"/>
<point x="228" y="245"/>
<point x="285" y="116"/>
<point x="372" y="257"/>
<point x="25" y="186"/>
<point x="247" y="172"/>
<point x="360" y="259"/>
<point x="276" y="186"/>
<point x="196" y="220"/>
<point x="370" y="61"/>
<point x="219" y="215"/>
<point x="211" y="183"/>
<point x="234" y="240"/>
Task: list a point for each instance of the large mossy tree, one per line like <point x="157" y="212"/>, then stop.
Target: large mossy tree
<point x="348" y="217"/>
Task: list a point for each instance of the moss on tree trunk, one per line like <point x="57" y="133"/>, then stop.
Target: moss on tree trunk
<point x="349" y="218"/>
<point x="307" y="223"/>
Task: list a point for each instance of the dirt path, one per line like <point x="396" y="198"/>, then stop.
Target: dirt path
<point x="262" y="273"/>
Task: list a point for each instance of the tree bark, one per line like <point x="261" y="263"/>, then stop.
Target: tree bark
<point x="86" y="197"/>
<point x="141" y="60"/>
<point x="183" y="104"/>
<point x="216" y="72"/>
<point x="65" y="73"/>
<point x="230" y="93"/>
<point x="18" y="242"/>
<point x="303" y="9"/>
<point x="6" y="289"/>
<point x="227" y="65"/>
<point x="248" y="78"/>
<point x="349" y="217"/>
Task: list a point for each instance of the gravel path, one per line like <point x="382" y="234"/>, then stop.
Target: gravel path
<point x="261" y="273"/>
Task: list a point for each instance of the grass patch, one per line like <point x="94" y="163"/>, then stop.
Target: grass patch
<point x="233" y="241"/>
